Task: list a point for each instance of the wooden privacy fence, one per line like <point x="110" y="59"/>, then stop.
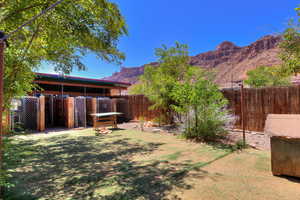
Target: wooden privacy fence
<point x="139" y="107"/>
<point x="40" y="113"/>
<point x="258" y="103"/>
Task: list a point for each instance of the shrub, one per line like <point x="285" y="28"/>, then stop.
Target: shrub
<point x="204" y="108"/>
<point x="265" y="76"/>
<point x="208" y="129"/>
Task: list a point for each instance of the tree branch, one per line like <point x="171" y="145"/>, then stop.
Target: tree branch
<point x="22" y="10"/>
<point x="34" y="35"/>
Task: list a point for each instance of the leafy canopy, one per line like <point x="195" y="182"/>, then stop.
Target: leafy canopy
<point x="290" y="46"/>
<point x="158" y="82"/>
<point x="61" y="37"/>
<point x="290" y="56"/>
<point x="264" y="76"/>
<point x="184" y="90"/>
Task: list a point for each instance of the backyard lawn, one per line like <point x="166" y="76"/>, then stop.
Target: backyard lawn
<point x="129" y="164"/>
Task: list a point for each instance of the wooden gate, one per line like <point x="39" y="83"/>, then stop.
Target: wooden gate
<point x="80" y="112"/>
<point x="49" y="115"/>
<point x="29" y="113"/>
<point x="59" y="111"/>
<point x="104" y="105"/>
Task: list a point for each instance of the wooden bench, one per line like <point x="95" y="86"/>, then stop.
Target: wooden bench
<point x="105" y="119"/>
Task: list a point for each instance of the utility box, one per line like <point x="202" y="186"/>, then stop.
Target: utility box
<point x="284" y="131"/>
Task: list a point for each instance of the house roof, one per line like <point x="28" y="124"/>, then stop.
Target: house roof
<point x="78" y="80"/>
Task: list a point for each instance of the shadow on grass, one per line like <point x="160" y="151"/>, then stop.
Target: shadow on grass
<point x="94" y="167"/>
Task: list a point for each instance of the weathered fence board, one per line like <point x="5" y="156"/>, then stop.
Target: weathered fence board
<point x="139" y="107"/>
<point x="258" y="104"/>
<point x="261" y="102"/>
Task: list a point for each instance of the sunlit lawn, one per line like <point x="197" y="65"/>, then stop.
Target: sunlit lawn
<point x="129" y="165"/>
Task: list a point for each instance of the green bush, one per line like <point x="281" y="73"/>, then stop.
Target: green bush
<point x="206" y="130"/>
<point x="265" y="76"/>
<point x="203" y="106"/>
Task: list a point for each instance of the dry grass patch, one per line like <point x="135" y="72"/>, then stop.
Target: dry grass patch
<point x="129" y="164"/>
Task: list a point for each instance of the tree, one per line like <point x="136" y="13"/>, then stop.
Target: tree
<point x="203" y="105"/>
<point x="184" y="90"/>
<point x="157" y="82"/>
<point x="290" y="46"/>
<point x="264" y="76"/>
<point x="290" y="56"/>
<point x="61" y="37"/>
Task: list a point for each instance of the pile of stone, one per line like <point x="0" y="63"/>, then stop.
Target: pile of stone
<point x="103" y="130"/>
<point x="150" y="124"/>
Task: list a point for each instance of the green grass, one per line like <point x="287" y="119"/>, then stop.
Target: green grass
<point x="134" y="165"/>
<point x="173" y="156"/>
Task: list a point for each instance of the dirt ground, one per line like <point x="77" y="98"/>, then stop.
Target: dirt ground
<point x="130" y="164"/>
<point x="256" y="140"/>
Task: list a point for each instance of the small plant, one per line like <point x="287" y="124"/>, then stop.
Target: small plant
<point x="239" y="145"/>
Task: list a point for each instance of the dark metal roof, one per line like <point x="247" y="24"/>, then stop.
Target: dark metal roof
<point x="73" y="79"/>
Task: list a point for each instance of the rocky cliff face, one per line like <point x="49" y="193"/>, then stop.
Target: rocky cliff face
<point x="230" y="61"/>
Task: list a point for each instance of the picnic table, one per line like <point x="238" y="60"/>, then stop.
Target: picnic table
<point x="105" y="119"/>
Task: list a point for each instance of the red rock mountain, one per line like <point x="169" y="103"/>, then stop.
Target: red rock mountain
<point x="230" y="61"/>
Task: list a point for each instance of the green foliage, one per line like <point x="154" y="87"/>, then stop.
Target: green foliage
<point x="158" y="82"/>
<point x="290" y="56"/>
<point x="178" y="87"/>
<point x="203" y="105"/>
<point x="239" y="145"/>
<point x="290" y="47"/>
<point x="60" y="38"/>
<point x="267" y="76"/>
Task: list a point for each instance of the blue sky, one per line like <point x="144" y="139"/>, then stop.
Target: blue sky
<point x="202" y="24"/>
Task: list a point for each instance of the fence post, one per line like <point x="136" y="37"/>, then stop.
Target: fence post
<point x="41" y="114"/>
<point x="242" y="113"/>
<point x="70" y="112"/>
<point x="94" y="109"/>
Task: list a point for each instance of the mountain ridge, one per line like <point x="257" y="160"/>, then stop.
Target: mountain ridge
<point x="230" y="61"/>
